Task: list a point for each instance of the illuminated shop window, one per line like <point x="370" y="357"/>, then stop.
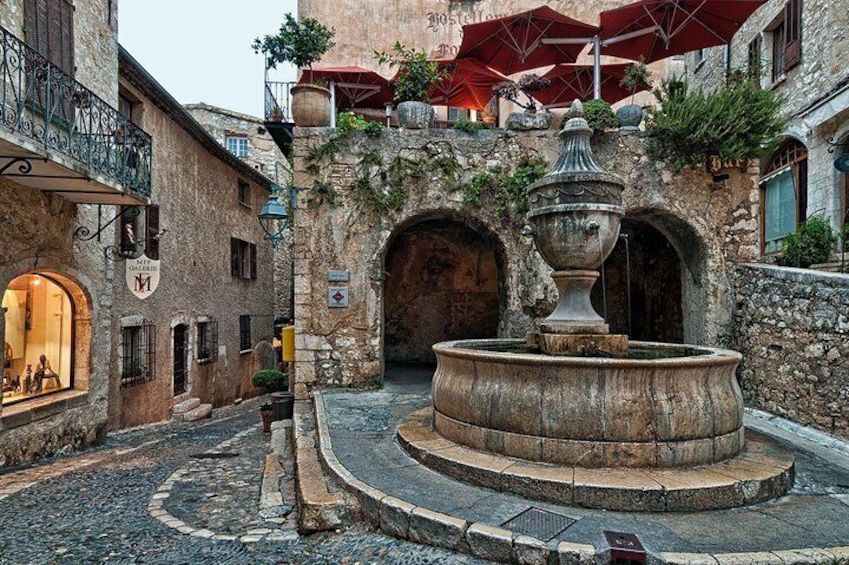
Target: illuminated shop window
<point x="39" y="340"/>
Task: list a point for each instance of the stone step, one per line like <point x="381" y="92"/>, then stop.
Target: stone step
<point x="185" y="406"/>
<point x="202" y="411"/>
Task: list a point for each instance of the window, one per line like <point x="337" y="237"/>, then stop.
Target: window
<point x="699" y="57"/>
<point x="242" y="259"/>
<point x="778" y="52"/>
<point x="754" y="60"/>
<point x="243" y="193"/>
<point x="125" y="107"/>
<point x="49" y="29"/>
<point x="128" y="231"/>
<point x="151" y="222"/>
<point x="207" y="341"/>
<point x="138" y="354"/>
<point x="783" y="194"/>
<point x="238" y="146"/>
<point x="457" y="114"/>
<point x="787" y="39"/>
<point x="244" y="333"/>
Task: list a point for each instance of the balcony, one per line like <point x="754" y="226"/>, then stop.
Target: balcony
<point x="278" y="114"/>
<point x="58" y="136"/>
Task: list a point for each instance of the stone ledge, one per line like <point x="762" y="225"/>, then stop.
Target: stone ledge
<point x="40" y="408"/>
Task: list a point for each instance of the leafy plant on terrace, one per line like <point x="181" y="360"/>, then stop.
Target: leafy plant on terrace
<point x="812" y="243"/>
<point x="346" y="122"/>
<point x="599" y="116"/>
<point x="738" y="121"/>
<point x="416" y="74"/>
<point x="300" y="43"/>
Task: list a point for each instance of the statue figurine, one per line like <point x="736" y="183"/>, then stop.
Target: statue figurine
<point x="28" y="380"/>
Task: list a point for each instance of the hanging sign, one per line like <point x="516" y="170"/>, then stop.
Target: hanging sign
<point x="142" y="276"/>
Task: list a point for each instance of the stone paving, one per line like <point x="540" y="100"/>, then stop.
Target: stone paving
<point x="142" y="498"/>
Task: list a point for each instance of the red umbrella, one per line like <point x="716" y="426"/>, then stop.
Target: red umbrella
<point x="354" y="86"/>
<point x="515" y="43"/>
<point x="656" y="29"/>
<point x="469" y="84"/>
<point x="569" y="82"/>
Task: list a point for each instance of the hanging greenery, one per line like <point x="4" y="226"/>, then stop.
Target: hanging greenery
<point x="739" y="121"/>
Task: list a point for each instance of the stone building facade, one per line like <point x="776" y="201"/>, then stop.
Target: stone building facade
<point x="246" y="137"/>
<point x="207" y="199"/>
<point x="393" y="251"/>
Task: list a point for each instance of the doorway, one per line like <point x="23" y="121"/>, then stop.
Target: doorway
<point x="181" y="349"/>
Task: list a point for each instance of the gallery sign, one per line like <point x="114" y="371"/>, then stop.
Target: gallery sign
<point x="142" y="276"/>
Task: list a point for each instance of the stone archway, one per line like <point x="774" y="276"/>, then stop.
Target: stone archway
<point x="443" y="282"/>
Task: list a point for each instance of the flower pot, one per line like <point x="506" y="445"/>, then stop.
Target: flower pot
<point x="629" y="116"/>
<point x="267" y="417"/>
<point x="310" y="106"/>
<point x="415" y="115"/>
<point x="284" y="405"/>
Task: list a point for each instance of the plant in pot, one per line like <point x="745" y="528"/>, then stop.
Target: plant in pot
<point x="266" y="412"/>
<point x="526" y="86"/>
<point x="636" y="77"/>
<point x="277" y="384"/>
<point x="302" y="44"/>
<point x="416" y="76"/>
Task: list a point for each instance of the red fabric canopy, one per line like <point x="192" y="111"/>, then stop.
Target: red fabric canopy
<point x="469" y="84"/>
<point x="355" y="87"/>
<point x="514" y="43"/>
<point x="569" y="82"/>
<point x="655" y="29"/>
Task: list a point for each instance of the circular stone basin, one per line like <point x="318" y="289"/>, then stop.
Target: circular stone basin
<point x="662" y="406"/>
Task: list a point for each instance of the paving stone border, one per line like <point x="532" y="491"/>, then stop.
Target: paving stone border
<point x="402" y="519"/>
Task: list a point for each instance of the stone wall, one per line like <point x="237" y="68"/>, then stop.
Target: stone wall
<point x="710" y="224"/>
<point x="792" y="327"/>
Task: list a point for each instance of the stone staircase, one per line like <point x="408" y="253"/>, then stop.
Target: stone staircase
<point x="190" y="410"/>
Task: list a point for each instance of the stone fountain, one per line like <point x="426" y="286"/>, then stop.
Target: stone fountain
<point x="574" y="414"/>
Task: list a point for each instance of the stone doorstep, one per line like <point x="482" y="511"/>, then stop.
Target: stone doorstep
<point x="402" y="519"/>
<point x="185" y="406"/>
<point x="198" y="413"/>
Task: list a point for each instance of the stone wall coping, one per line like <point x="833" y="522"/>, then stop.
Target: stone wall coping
<point x="796" y="274"/>
<point x="29" y="411"/>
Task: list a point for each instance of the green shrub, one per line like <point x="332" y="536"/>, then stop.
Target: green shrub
<point x="271" y="380"/>
<point x="468" y="126"/>
<point x="416" y="74"/>
<point x="598" y="113"/>
<point x="738" y="121"/>
<point x="347" y="122"/>
<point x="812" y="243"/>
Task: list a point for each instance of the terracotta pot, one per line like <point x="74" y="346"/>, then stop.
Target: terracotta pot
<point x="267" y="417"/>
<point x="310" y="106"/>
<point x="415" y="115"/>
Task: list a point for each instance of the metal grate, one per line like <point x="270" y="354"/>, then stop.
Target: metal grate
<point x="539" y="523"/>
<point x="138" y="354"/>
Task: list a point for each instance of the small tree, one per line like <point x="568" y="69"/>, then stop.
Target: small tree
<point x="301" y="44"/>
<point x="636" y="76"/>
<point x="527" y="85"/>
<point x="598" y="113"/>
<point x="416" y="75"/>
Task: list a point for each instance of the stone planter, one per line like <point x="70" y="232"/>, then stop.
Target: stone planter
<point x="630" y="116"/>
<point x="310" y="106"/>
<point x="415" y="115"/>
<point x="523" y="121"/>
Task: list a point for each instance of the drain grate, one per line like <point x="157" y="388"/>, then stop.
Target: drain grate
<point x="539" y="523"/>
<point x="223" y="455"/>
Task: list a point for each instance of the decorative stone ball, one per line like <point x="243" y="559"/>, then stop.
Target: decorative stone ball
<point x="629" y="116"/>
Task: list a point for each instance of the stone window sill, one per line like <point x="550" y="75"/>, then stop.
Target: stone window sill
<point x="778" y="82"/>
<point x="245" y="351"/>
<point x="29" y="411"/>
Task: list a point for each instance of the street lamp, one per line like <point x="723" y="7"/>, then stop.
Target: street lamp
<point x="273" y="217"/>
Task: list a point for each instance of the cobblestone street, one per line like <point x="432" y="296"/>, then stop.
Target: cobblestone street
<point x="145" y="497"/>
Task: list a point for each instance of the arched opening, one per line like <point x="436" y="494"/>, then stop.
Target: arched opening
<point x="39" y="337"/>
<point x="784" y="194"/>
<point x="442" y="283"/>
<point x="642" y="277"/>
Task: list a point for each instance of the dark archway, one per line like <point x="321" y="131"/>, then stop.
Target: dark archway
<point x="442" y="283"/>
<point x="656" y="311"/>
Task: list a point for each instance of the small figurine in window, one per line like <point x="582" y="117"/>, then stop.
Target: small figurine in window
<point x="44" y="371"/>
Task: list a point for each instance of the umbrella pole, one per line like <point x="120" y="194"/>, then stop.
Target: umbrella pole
<point x="332" y="104"/>
<point x="596" y="68"/>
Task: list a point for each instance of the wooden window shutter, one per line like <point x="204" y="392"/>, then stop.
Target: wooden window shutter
<point x="152" y="225"/>
<point x="792" y="33"/>
<point x="253" y="260"/>
<point x="234" y="257"/>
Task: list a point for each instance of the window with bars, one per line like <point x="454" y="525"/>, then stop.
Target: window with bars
<point x="237" y="145"/>
<point x="207" y="341"/>
<point x="245" y="333"/>
<point x="242" y="259"/>
<point x="138" y="354"/>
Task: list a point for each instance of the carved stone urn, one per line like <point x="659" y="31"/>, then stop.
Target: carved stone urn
<point x="575" y="212"/>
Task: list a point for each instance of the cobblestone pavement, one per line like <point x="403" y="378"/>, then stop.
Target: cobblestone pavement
<point x="142" y="498"/>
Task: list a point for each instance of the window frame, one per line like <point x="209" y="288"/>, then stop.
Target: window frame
<point x="243" y="260"/>
<point x="755" y="60"/>
<point x="792" y="154"/>
<point x="241" y="146"/>
<point x="207" y="340"/>
<point x="138" y="348"/>
<point x="243" y="193"/>
<point x="245" y="343"/>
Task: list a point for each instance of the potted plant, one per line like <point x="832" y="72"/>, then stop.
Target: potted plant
<point x="266" y="412"/>
<point x="302" y="44"/>
<point x="526" y="85"/>
<point x="636" y="76"/>
<point x="416" y="76"/>
<point x="277" y="384"/>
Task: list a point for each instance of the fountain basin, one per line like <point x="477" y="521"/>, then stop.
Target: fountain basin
<point x="665" y="406"/>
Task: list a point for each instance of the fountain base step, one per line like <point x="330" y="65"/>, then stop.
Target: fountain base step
<point x="581" y="345"/>
<point x="763" y="470"/>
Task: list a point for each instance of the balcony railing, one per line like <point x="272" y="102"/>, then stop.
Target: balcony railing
<point x="43" y="103"/>
<point x="278" y="101"/>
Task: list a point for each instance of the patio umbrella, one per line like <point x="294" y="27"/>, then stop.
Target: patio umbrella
<point x="569" y="82"/>
<point x="656" y="29"/>
<point x="355" y="87"/>
<point x="515" y="43"/>
<point x="469" y="84"/>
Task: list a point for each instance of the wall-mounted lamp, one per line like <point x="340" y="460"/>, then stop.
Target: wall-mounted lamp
<point x="274" y="217"/>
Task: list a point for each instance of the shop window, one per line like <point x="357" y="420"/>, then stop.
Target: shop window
<point x="237" y="145"/>
<point x="783" y="195"/>
<point x="138" y="354"/>
<point x="39" y="345"/>
<point x="244" y="333"/>
<point x="242" y="259"/>
<point x="207" y="341"/>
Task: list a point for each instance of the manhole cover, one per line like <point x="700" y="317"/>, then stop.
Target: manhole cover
<point x="539" y="523"/>
<point x="214" y="455"/>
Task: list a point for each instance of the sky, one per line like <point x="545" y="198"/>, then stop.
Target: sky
<point x="201" y="53"/>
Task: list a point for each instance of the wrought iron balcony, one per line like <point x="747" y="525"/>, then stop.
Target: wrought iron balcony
<point x="57" y="135"/>
<point x="278" y="114"/>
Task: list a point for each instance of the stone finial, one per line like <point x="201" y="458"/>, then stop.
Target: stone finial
<point x="577" y="110"/>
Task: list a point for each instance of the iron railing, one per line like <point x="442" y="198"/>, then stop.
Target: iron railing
<point x="43" y="103"/>
<point x="278" y="101"/>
